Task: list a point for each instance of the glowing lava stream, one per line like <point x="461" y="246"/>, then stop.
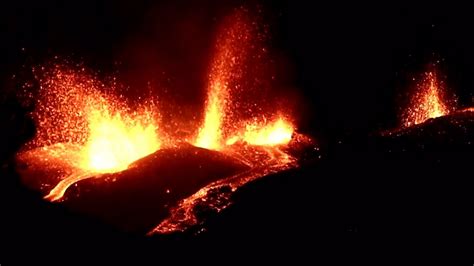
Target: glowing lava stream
<point x="58" y="191"/>
<point x="109" y="135"/>
<point x="427" y="102"/>
<point x="217" y="195"/>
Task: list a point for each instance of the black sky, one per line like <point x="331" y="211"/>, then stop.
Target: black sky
<point x="350" y="62"/>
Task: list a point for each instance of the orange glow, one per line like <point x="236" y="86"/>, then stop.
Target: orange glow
<point x="210" y="134"/>
<point x="233" y="42"/>
<point x="116" y="141"/>
<point x="104" y="134"/>
<point x="276" y="133"/>
<point x="427" y="102"/>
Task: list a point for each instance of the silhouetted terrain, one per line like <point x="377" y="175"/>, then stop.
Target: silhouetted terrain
<point x="369" y="195"/>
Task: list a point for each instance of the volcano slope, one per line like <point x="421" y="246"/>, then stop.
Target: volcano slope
<point x="406" y="188"/>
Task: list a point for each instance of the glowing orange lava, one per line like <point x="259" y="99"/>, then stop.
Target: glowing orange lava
<point x="427" y="102"/>
<point x="277" y="133"/>
<point x="104" y="135"/>
<point x="232" y="50"/>
<point x="116" y="141"/>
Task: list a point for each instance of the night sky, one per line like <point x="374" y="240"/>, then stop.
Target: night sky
<point x="347" y="65"/>
<point x="349" y="62"/>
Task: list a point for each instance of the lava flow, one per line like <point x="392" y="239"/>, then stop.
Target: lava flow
<point x="427" y="102"/>
<point x="85" y="130"/>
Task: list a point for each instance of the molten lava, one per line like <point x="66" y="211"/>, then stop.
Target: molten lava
<point x="427" y="102"/>
<point x="210" y="135"/>
<point x="116" y="141"/>
<point x="102" y="134"/>
<point x="277" y="133"/>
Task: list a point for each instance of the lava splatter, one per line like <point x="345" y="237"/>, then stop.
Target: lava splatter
<point x="428" y="101"/>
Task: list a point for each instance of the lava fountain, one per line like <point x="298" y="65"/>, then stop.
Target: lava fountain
<point x="236" y="44"/>
<point x="427" y="102"/>
<point x="227" y="66"/>
<point x="85" y="130"/>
